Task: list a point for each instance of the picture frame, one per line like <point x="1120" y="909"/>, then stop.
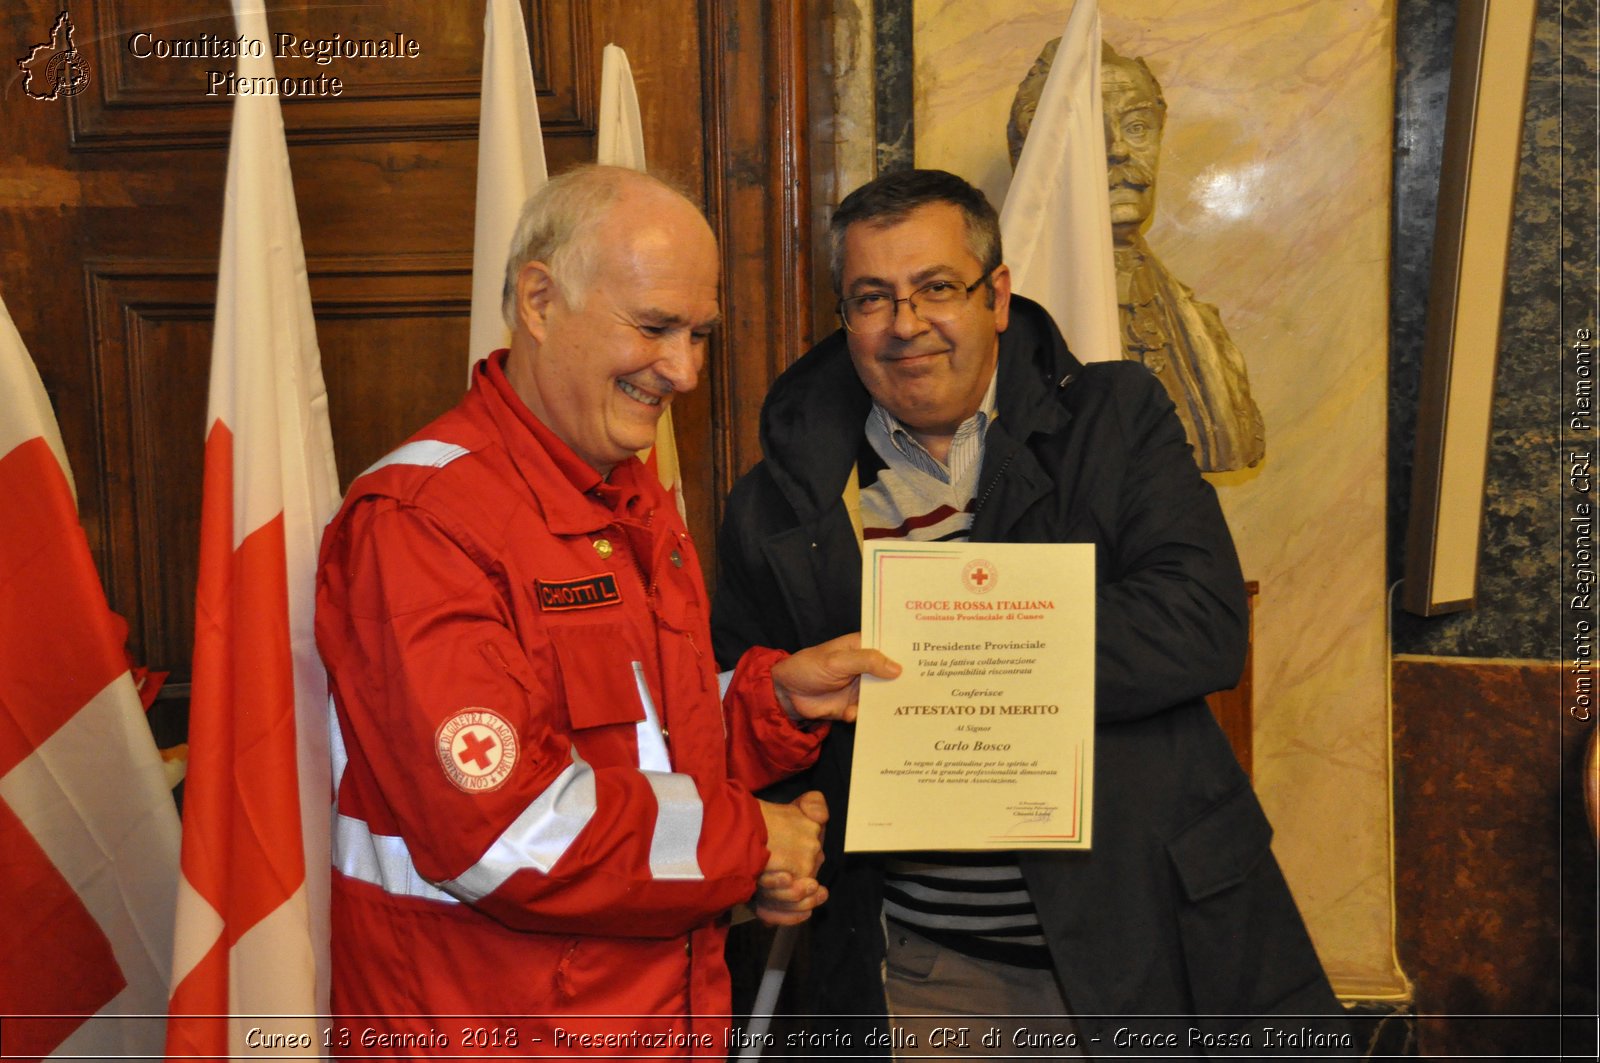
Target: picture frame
<point x="1478" y="178"/>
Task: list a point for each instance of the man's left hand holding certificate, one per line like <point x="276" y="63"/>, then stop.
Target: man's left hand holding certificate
<point x="986" y="739"/>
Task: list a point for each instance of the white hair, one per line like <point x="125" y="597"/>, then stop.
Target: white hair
<point x="557" y="223"/>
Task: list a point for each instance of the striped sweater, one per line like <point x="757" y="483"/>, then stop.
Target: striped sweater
<point x="974" y="903"/>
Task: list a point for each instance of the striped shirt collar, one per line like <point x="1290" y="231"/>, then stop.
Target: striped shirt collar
<point x="966" y="446"/>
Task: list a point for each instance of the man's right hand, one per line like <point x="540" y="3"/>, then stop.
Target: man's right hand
<point x="787" y="889"/>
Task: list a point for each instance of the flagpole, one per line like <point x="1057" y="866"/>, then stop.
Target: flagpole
<point x="251" y="948"/>
<point x="766" y="1004"/>
<point x="511" y="167"/>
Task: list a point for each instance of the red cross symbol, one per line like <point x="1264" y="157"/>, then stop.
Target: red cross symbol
<point x="980" y="576"/>
<point x="476" y="749"/>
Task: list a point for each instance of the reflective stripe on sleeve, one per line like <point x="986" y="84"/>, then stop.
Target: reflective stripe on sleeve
<point x="537" y="838"/>
<point x="384" y="861"/>
<point x="336" y="750"/>
<point x="381" y="860"/>
<point x="675" y="845"/>
<point x="652" y="746"/>
<point x="434" y="452"/>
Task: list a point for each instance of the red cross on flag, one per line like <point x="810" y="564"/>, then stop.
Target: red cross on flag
<point x="252" y="937"/>
<point x="88" y="831"/>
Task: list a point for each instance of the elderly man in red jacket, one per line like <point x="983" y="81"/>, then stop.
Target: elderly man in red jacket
<point x="544" y="811"/>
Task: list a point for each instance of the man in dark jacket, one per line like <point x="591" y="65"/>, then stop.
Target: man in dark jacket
<point x="949" y="408"/>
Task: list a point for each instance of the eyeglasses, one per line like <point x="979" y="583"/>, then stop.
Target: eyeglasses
<point x="874" y="312"/>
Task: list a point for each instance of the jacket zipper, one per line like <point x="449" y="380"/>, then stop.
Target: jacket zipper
<point x="994" y="482"/>
<point x="645" y="581"/>
<point x="653" y="599"/>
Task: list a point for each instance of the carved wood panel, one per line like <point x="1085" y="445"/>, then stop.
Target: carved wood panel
<point x="759" y="202"/>
<point x="400" y="69"/>
<point x="150" y="328"/>
<point x="389" y="331"/>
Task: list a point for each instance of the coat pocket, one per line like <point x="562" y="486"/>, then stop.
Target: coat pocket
<point x="597" y="677"/>
<point x="1222" y="847"/>
<point x="1245" y="948"/>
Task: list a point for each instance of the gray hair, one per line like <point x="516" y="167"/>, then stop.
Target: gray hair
<point x="556" y="225"/>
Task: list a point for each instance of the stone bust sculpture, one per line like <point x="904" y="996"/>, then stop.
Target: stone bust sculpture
<point x="1179" y="338"/>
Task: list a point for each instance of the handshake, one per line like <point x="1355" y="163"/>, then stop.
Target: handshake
<point x="818" y="683"/>
<point x="787" y="888"/>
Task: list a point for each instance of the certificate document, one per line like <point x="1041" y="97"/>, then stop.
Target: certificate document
<point x="986" y="739"/>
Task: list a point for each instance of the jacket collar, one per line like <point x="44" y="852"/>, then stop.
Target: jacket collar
<point x="572" y="496"/>
<point x="812" y="421"/>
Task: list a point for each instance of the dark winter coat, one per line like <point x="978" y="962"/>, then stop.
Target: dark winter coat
<point x="1180" y="907"/>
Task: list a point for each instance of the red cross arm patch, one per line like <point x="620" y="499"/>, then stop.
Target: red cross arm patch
<point x="477" y="749"/>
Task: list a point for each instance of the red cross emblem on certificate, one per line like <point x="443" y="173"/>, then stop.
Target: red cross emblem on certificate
<point x="979" y="576"/>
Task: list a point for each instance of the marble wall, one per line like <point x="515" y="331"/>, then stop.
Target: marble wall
<point x="1495" y="861"/>
<point x="1552" y="250"/>
<point x="1273" y="204"/>
<point x="1496" y="880"/>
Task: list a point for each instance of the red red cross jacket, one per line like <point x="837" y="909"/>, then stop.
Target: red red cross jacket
<point x="542" y="809"/>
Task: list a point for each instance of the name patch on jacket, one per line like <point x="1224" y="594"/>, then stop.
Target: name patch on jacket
<point x="586" y="593"/>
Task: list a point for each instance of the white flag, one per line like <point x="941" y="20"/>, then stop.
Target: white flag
<point x="621" y="143"/>
<point x="252" y="936"/>
<point x="88" y="830"/>
<point x="1056" y="222"/>
<point x="511" y="168"/>
<point x="621" y="133"/>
